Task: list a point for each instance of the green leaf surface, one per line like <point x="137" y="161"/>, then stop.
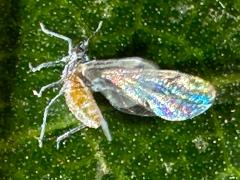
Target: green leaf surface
<point x="197" y="37"/>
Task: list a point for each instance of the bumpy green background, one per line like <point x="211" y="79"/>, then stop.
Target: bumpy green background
<point x="197" y="37"/>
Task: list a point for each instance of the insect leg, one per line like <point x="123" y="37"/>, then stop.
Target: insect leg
<point x="43" y="126"/>
<point x="39" y="94"/>
<point x="69" y="133"/>
<point x="49" y="32"/>
<point x="47" y="64"/>
<point x="105" y="129"/>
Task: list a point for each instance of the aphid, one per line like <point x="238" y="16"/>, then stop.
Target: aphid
<point x="132" y="85"/>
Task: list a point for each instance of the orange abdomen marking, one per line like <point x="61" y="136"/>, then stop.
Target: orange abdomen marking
<point x="81" y="103"/>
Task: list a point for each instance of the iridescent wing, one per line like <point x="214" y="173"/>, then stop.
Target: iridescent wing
<point x="116" y="96"/>
<point x="170" y="95"/>
<point x="126" y="63"/>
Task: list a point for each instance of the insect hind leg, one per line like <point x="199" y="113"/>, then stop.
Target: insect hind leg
<point x="65" y="38"/>
<point x="43" y="126"/>
<point x="69" y="133"/>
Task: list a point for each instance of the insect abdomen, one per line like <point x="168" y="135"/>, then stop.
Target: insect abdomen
<point x="81" y="102"/>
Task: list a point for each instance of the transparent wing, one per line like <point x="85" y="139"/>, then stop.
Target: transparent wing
<point x="116" y="96"/>
<point x="126" y="63"/>
<point x="147" y="91"/>
<point x="118" y="99"/>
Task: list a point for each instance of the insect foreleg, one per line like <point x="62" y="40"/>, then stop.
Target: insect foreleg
<point x="69" y="133"/>
<point x="49" y="32"/>
<point x="43" y="126"/>
<point x="39" y="94"/>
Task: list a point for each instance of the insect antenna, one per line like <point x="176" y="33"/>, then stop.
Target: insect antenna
<point x="84" y="44"/>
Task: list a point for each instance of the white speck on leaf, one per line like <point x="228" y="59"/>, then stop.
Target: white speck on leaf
<point x="200" y="144"/>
